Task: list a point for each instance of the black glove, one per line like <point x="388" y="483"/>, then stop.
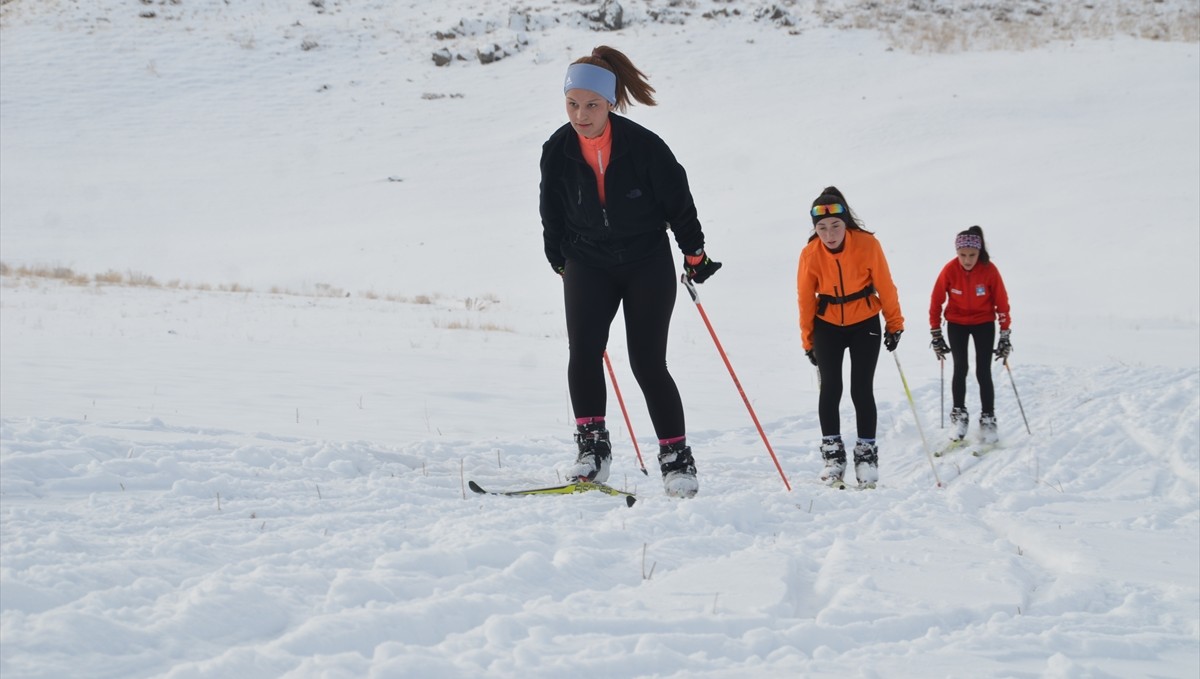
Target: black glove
<point x="1004" y="348"/>
<point x="891" y="339"/>
<point x="938" y="344"/>
<point x="701" y="269"/>
<point x="812" y="356"/>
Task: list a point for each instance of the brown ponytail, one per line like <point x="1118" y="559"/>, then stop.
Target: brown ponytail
<point x="631" y="82"/>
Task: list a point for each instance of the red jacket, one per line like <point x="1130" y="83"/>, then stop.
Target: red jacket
<point x="976" y="296"/>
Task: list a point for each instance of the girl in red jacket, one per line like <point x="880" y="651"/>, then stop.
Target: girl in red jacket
<point x="977" y="299"/>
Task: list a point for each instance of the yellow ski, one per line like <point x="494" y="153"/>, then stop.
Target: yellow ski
<point x="565" y="489"/>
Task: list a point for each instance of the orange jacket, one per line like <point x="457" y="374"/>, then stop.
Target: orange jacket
<point x="859" y="264"/>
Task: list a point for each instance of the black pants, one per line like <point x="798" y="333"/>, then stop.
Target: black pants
<point x="646" y="290"/>
<point x="984" y="335"/>
<point x="830" y="343"/>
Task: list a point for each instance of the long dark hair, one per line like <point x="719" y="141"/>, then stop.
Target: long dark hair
<point x="977" y="230"/>
<point x="631" y="83"/>
<point x="830" y="195"/>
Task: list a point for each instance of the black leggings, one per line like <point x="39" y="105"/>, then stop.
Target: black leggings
<point x="830" y="343"/>
<point x="984" y="334"/>
<point x="646" y="291"/>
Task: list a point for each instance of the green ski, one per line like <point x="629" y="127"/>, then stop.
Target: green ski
<point x="565" y="489"/>
<point x="953" y="445"/>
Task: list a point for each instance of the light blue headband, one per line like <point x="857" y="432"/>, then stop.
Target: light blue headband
<point x="592" y="78"/>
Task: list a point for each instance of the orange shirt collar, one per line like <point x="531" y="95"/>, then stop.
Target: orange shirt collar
<point x="597" y="152"/>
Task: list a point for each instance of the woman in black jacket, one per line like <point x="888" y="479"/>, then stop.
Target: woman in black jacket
<point x="610" y="190"/>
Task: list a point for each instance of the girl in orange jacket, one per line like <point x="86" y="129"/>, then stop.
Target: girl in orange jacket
<point x="972" y="291"/>
<point x="843" y="284"/>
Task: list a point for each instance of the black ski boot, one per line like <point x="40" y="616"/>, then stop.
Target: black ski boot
<point x="866" y="463"/>
<point x="959" y="419"/>
<point x="678" y="470"/>
<point x="833" y="451"/>
<point x="989" y="432"/>
<point x="595" y="453"/>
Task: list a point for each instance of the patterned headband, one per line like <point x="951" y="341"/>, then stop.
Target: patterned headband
<point x="968" y="240"/>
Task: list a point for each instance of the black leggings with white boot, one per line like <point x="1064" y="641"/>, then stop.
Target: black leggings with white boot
<point x="960" y="337"/>
<point x="646" y="291"/>
<point x="830" y="344"/>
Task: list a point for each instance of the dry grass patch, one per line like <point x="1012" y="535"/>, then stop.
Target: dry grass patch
<point x="49" y="272"/>
<point x="109" y="277"/>
<point x="112" y="277"/>
<point x="468" y="324"/>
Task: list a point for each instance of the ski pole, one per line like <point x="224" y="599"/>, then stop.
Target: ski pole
<point x="1014" y="386"/>
<point x="943" y="390"/>
<point x="613" y="376"/>
<point x="691" y="288"/>
<point x="912" y="404"/>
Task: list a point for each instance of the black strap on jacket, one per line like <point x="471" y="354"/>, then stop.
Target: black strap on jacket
<point x="823" y="301"/>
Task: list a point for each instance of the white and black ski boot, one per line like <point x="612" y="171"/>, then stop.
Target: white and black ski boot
<point x="866" y="463"/>
<point x="833" y="451"/>
<point x="988" y="431"/>
<point x="959" y="419"/>
<point x="595" y="454"/>
<point x="678" y="470"/>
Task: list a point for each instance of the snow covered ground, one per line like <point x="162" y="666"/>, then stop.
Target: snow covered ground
<point x="254" y="464"/>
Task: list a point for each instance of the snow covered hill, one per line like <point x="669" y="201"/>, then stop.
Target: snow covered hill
<point x="273" y="291"/>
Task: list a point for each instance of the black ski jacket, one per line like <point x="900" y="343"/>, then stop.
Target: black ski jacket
<point x="647" y="193"/>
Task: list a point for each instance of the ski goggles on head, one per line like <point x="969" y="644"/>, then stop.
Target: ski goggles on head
<point x="832" y="209"/>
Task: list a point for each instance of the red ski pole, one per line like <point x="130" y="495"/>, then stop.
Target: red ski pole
<point x="691" y="288"/>
<point x="613" y="376"/>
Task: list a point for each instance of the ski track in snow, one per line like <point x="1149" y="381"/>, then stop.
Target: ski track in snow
<point x="139" y="545"/>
